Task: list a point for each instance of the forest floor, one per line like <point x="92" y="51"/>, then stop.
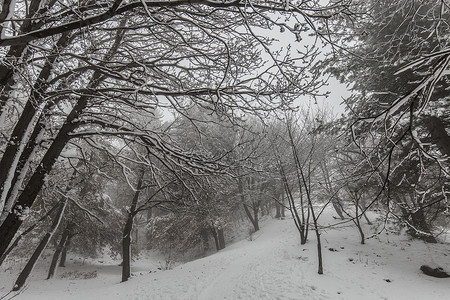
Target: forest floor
<point x="270" y="265"/>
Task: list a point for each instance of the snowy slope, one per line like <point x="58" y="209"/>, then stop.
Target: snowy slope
<point x="273" y="265"/>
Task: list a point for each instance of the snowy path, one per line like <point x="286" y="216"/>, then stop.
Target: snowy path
<point x="259" y="269"/>
<point x="253" y="270"/>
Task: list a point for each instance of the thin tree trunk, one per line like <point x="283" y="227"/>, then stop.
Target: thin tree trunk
<point x="126" y="238"/>
<point x="278" y="210"/>
<point x="334" y="196"/>
<point x="295" y="216"/>
<point x="357" y="219"/>
<point x="62" y="262"/>
<point x="58" y="250"/>
<point x="283" y="208"/>
<point x="23" y="276"/>
<point x="221" y="238"/>
<point x="216" y="238"/>
<point x="253" y="220"/>
<point x="205" y="243"/>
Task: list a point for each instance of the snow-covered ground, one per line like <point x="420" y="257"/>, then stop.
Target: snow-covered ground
<point x="271" y="265"/>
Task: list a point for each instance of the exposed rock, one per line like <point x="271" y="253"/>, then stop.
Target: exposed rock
<point x="435" y="272"/>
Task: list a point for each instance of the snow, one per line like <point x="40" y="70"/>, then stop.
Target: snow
<point x="270" y="265"/>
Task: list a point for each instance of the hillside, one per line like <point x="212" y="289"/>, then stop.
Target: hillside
<point x="270" y="265"/>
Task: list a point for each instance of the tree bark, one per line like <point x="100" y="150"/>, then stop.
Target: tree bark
<point x="420" y="228"/>
<point x="221" y="238"/>
<point x="58" y="250"/>
<point x="216" y="238"/>
<point x="62" y="262"/>
<point x="278" y="210"/>
<point x="126" y="238"/>
<point x="439" y="135"/>
<point x="23" y="276"/>
<point x="253" y="218"/>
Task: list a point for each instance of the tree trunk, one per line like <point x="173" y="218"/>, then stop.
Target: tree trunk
<point x="298" y="221"/>
<point x="126" y="238"/>
<point x="253" y="218"/>
<point x="420" y="228"/>
<point x="205" y="242"/>
<point x="283" y="208"/>
<point x="216" y="238"/>
<point x="439" y="135"/>
<point x="58" y="250"/>
<point x="357" y="219"/>
<point x="334" y="195"/>
<point x="126" y="248"/>
<point x="23" y="276"/>
<point x="62" y="262"/>
<point x="221" y="238"/>
<point x="278" y="210"/>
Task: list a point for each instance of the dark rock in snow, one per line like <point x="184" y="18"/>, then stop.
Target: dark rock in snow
<point x="435" y="272"/>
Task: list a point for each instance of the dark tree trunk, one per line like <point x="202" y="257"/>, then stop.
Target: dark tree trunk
<point x="283" y="208"/>
<point x="62" y="243"/>
<point x="126" y="238"/>
<point x="298" y="220"/>
<point x="278" y="210"/>
<point x="253" y="218"/>
<point x="420" y="228"/>
<point x="62" y="262"/>
<point x="126" y="248"/>
<point x="334" y="195"/>
<point x="439" y="135"/>
<point x="221" y="238"/>
<point x="205" y="242"/>
<point x="357" y="218"/>
<point x="216" y="238"/>
<point x="23" y="276"/>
